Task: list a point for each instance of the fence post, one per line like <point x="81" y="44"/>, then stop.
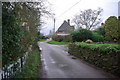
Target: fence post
<point x="21" y="62"/>
<point x="14" y="69"/>
<point x="2" y="74"/>
<point x="10" y="71"/>
<point x="7" y="73"/>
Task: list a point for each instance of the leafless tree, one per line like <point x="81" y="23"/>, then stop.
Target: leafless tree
<point x="88" y="18"/>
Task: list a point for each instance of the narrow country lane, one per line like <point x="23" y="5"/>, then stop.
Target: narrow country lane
<point x="59" y="64"/>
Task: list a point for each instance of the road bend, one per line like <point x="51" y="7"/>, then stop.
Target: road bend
<point x="57" y="63"/>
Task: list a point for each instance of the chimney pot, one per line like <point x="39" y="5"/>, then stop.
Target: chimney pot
<point x="102" y="24"/>
<point x="119" y="18"/>
<point x="69" y="21"/>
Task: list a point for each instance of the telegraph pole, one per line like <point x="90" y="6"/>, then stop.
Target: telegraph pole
<point x="54" y="26"/>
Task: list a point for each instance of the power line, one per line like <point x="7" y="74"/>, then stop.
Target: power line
<point x="65" y="12"/>
<point x="69" y="8"/>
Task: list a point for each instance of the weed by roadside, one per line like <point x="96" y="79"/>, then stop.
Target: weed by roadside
<point x="31" y="66"/>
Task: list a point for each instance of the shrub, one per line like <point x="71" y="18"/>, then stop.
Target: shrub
<point x="75" y="36"/>
<point x="108" y="38"/>
<point x="111" y="27"/>
<point x="88" y="41"/>
<point x="61" y="38"/>
<point x="81" y="35"/>
<point x="97" y="37"/>
<point x="57" y="38"/>
<point x="39" y="35"/>
<point x="101" y="31"/>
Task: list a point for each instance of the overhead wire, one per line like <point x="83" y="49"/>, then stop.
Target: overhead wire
<point x="69" y="8"/>
<point x="65" y="12"/>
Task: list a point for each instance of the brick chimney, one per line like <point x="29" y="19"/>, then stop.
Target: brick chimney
<point x="69" y="21"/>
<point x="102" y="24"/>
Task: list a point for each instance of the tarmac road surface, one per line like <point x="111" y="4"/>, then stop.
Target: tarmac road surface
<point x="57" y="63"/>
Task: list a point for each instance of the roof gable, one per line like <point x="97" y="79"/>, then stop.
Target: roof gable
<point x="64" y="26"/>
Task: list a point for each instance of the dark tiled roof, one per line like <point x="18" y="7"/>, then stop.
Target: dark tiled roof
<point x="64" y="27"/>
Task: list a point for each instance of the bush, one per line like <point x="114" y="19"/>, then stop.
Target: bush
<point x="81" y="35"/>
<point x="57" y="38"/>
<point x="61" y="38"/>
<point x="101" y="31"/>
<point x="97" y="37"/>
<point x="111" y="27"/>
<point x="88" y="41"/>
<point x="108" y="38"/>
<point x="39" y="35"/>
<point x="75" y="36"/>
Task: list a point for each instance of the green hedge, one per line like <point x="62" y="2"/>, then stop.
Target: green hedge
<point x="101" y="31"/>
<point x="100" y="47"/>
<point x="81" y="35"/>
<point x="97" y="37"/>
<point x="105" y="56"/>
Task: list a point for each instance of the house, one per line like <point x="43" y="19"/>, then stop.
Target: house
<point x="65" y="28"/>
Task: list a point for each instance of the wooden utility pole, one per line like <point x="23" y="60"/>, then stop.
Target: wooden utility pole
<point x="54" y="26"/>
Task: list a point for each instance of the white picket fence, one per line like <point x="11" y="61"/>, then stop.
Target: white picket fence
<point x="9" y="71"/>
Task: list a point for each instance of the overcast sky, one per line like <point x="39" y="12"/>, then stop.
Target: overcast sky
<point x="110" y="8"/>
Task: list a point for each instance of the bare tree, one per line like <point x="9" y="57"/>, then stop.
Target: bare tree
<point x="88" y="18"/>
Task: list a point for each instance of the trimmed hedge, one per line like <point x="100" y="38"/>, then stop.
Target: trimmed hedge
<point x="81" y="35"/>
<point x="100" y="47"/>
<point x="101" y="31"/>
<point x="97" y="37"/>
<point x="105" y="56"/>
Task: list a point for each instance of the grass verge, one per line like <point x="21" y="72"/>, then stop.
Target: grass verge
<point x="58" y="43"/>
<point x="43" y="39"/>
<point x="30" y="69"/>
